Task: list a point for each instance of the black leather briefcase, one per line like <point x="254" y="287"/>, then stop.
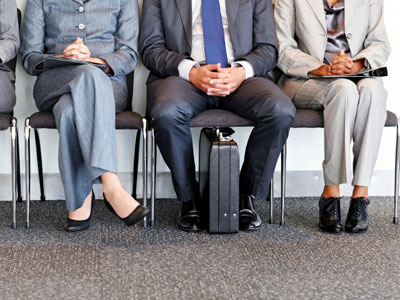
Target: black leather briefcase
<point x="219" y="180"/>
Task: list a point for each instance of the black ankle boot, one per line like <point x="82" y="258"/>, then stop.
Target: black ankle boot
<point x="329" y="215"/>
<point x="357" y="217"/>
<point x="249" y="220"/>
<point x="189" y="216"/>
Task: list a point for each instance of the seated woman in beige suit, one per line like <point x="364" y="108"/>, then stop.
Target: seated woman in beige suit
<point x="338" y="37"/>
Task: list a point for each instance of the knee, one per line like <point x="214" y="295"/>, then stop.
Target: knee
<point x="91" y="71"/>
<point x="169" y="113"/>
<point x="372" y="91"/>
<point x="345" y="88"/>
<point x="278" y="110"/>
<point x="64" y="111"/>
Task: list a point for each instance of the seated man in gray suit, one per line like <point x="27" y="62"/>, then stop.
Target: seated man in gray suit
<point x="206" y="54"/>
<point x="9" y="44"/>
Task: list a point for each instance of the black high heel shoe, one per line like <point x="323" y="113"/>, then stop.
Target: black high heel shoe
<point x="75" y="225"/>
<point x="138" y="213"/>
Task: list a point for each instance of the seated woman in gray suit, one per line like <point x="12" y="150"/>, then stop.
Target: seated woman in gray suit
<point x="9" y="44"/>
<point x="338" y="37"/>
<point x="83" y="98"/>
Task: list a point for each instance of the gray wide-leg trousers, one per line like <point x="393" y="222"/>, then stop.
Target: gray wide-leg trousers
<point x="353" y="111"/>
<point x="84" y="101"/>
<point x="7" y="93"/>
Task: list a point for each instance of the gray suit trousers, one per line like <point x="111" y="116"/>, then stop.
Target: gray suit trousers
<point x="353" y="111"/>
<point x="7" y="93"/>
<point x="83" y="100"/>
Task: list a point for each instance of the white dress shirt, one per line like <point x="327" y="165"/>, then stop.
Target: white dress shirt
<point x="198" y="53"/>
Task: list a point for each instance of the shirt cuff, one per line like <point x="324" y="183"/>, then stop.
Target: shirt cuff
<point x="248" y="68"/>
<point x="185" y="66"/>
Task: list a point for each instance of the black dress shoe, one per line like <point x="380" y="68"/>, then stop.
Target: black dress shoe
<point x="329" y="215"/>
<point x="135" y="216"/>
<point x="75" y="225"/>
<point x="189" y="217"/>
<point x="357" y="217"/>
<point x="249" y="220"/>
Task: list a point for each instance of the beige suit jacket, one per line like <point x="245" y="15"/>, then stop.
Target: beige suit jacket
<point x="302" y="35"/>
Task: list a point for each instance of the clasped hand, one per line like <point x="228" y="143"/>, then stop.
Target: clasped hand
<point x="79" y="51"/>
<point x="216" y="81"/>
<point x="341" y="64"/>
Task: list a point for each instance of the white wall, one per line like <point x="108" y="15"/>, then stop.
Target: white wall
<point x="305" y="147"/>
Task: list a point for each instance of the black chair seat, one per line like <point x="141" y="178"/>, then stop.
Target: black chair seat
<point x="123" y="120"/>
<point x="309" y="118"/>
<point x="219" y="118"/>
<point x="5" y="121"/>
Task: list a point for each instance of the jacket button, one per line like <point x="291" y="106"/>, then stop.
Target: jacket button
<point x="81" y="26"/>
<point x="81" y="9"/>
<point x="349" y="36"/>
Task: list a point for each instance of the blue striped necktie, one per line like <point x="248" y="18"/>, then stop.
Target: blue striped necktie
<point x="213" y="32"/>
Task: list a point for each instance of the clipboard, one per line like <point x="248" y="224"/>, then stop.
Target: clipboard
<point x="52" y="62"/>
<point x="379" y="72"/>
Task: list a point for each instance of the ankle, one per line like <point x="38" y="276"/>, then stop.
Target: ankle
<point x="331" y="191"/>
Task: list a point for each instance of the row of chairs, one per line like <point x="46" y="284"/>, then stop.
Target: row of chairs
<point x="129" y="120"/>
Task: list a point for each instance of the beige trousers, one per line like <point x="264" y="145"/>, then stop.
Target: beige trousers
<point x="353" y="112"/>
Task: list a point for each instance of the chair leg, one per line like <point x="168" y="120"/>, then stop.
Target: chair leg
<point x="18" y="165"/>
<point x="283" y="184"/>
<point x="136" y="164"/>
<point x="27" y="171"/>
<point x="271" y="202"/>
<point x="13" y="170"/>
<point x="40" y="165"/>
<point x="153" y="174"/>
<point x="144" y="166"/>
<point x="396" y="177"/>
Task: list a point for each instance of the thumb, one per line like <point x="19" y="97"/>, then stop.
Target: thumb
<point x="341" y="52"/>
<point x="78" y="41"/>
<point x="212" y="67"/>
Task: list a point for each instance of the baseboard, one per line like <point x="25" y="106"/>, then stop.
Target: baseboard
<point x="299" y="184"/>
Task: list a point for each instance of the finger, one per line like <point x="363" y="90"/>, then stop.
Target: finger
<point x="84" y="49"/>
<point x="341" y="52"/>
<point x="342" y="67"/>
<point x="217" y="92"/>
<point x="346" y="65"/>
<point x="225" y="80"/>
<point x="338" y="59"/>
<point x="222" y="87"/>
<point x="71" y="47"/>
<point x="216" y="75"/>
<point x="211" y="67"/>
<point x="78" y="41"/>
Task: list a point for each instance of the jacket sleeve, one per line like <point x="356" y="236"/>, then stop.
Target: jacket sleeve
<point x="125" y="58"/>
<point x="153" y="50"/>
<point x="9" y="33"/>
<point x="376" y="46"/>
<point x="32" y="37"/>
<point x="292" y="61"/>
<point x="264" y="56"/>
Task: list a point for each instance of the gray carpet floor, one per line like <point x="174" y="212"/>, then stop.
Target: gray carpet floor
<point x="112" y="261"/>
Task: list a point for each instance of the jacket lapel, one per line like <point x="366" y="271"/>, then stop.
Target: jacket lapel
<point x="349" y="9"/>
<point x="318" y="8"/>
<point x="78" y="1"/>
<point x="232" y="8"/>
<point x="185" y="11"/>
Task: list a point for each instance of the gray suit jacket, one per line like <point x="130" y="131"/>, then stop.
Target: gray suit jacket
<point x="166" y="34"/>
<point x="109" y="28"/>
<point x="302" y="35"/>
<point x="9" y="34"/>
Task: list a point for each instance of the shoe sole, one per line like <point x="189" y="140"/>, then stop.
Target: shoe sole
<point x="330" y="230"/>
<point x="356" y="231"/>
<point x="186" y="229"/>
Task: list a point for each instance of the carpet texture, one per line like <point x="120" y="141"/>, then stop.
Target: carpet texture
<point x="112" y="261"/>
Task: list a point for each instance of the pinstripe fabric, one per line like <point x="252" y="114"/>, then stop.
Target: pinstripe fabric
<point x="9" y="36"/>
<point x="109" y="28"/>
<point x="83" y="98"/>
